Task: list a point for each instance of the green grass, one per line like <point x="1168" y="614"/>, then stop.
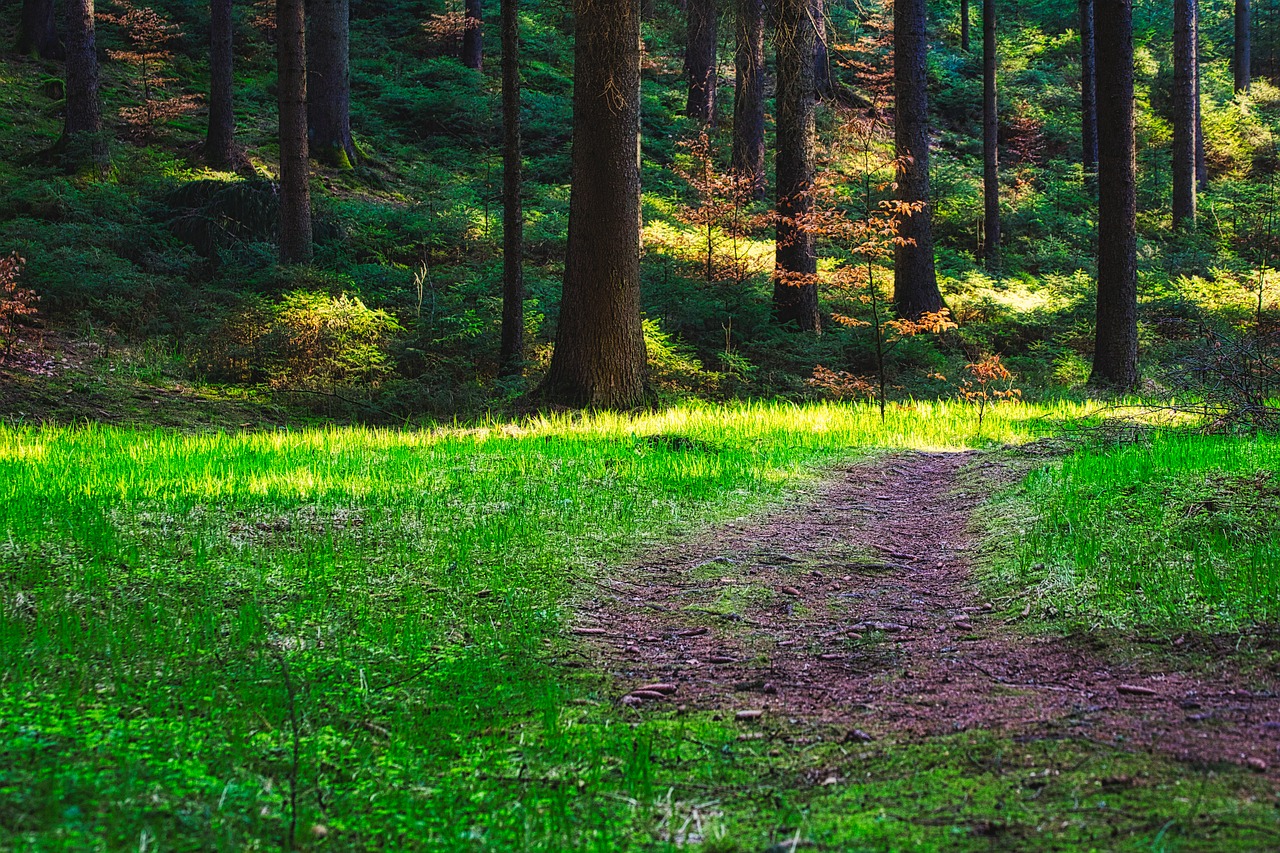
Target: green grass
<point x="1180" y="530"/>
<point x="206" y="639"/>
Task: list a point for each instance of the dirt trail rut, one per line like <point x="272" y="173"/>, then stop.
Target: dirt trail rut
<point x="858" y="609"/>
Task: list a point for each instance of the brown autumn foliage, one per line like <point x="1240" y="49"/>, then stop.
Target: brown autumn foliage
<point x="150" y="35"/>
<point x="19" y="306"/>
<point x="721" y="211"/>
<point x="445" y="30"/>
<point x="989" y="383"/>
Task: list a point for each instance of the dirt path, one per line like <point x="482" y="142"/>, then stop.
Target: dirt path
<point x="859" y="609"/>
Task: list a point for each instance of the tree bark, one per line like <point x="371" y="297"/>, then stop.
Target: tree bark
<point x="821" y="55"/>
<point x="990" y="139"/>
<point x="38" y="31"/>
<point x="329" y="83"/>
<point x="82" y="134"/>
<point x="1240" y="60"/>
<point x="295" y="165"/>
<point x="473" y="38"/>
<point x="1115" y="360"/>
<point x="1184" y="114"/>
<point x="219" y="143"/>
<point x="795" y="290"/>
<point x="748" y="96"/>
<point x="700" y="60"/>
<point x="964" y="25"/>
<point x="599" y="359"/>
<point x="1088" y="96"/>
<point x="915" y="282"/>
<point x="511" y="360"/>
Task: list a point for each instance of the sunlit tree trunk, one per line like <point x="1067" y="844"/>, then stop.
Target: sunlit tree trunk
<point x="511" y="359"/>
<point x="1088" y="95"/>
<point x="37" y="31"/>
<point x="795" y="293"/>
<point x="700" y="60"/>
<point x="473" y="38"/>
<point x="1184" y="114"/>
<point x="990" y="138"/>
<point x="1115" y="361"/>
<point x="748" y="97"/>
<point x="219" y="143"/>
<point x="295" y="167"/>
<point x="329" y="83"/>
<point x="599" y="359"/>
<point x="915" y="283"/>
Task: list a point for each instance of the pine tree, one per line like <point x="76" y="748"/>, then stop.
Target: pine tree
<point x="511" y="358"/>
<point x="473" y="36"/>
<point x="1088" y="95"/>
<point x="329" y="83"/>
<point x="990" y="139"/>
<point x="38" y="31"/>
<point x="1184" y="114"/>
<point x="295" y="167"/>
<point x="1240" y="58"/>
<point x="700" y="59"/>
<point x="219" y="144"/>
<point x="82" y="136"/>
<point x="748" y="98"/>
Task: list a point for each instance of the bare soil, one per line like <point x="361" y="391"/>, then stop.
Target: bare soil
<point x="858" y="608"/>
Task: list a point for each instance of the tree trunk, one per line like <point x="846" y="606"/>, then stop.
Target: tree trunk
<point x="821" y="55"/>
<point x="1184" y="114"/>
<point x="1115" y="360"/>
<point x="795" y="290"/>
<point x="648" y="9"/>
<point x="748" y="96"/>
<point x="38" y="32"/>
<point x="473" y="38"/>
<point x="295" y="165"/>
<point x="511" y="360"/>
<point x="599" y="359"/>
<point x="1202" y="166"/>
<point x="82" y="135"/>
<point x="990" y="139"/>
<point x="1088" y="96"/>
<point x="964" y="25"/>
<point x="219" y="143"/>
<point x="700" y="60"/>
<point x="1240" y="54"/>
<point x="329" y="83"/>
<point x="915" y="283"/>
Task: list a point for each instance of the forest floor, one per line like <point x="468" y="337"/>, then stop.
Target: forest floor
<point x="861" y="611"/>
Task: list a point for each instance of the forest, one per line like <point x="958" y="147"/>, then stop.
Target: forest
<point x="722" y="425"/>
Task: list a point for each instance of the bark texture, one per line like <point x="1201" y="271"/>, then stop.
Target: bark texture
<point x="700" y="60"/>
<point x="1088" y="95"/>
<point x="1240" y="55"/>
<point x="82" y="135"/>
<point x="1115" y="360"/>
<point x="915" y="282"/>
<point x="295" y="165"/>
<point x="219" y="143"/>
<point x="599" y="359"/>
<point x="964" y="25"/>
<point x="821" y="55"/>
<point x="511" y="360"/>
<point x="795" y="292"/>
<point x="329" y="83"/>
<point x="748" y="95"/>
<point x="990" y="139"/>
<point x="38" y="31"/>
<point x="1184" y="114"/>
<point x="473" y="39"/>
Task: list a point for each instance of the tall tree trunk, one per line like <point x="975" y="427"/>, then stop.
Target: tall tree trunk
<point x="1184" y="114"/>
<point x="599" y="359"/>
<point x="1240" y="59"/>
<point x="1088" y="96"/>
<point x="990" y="139"/>
<point x="964" y="25"/>
<point x="219" y="143"/>
<point x="329" y="83"/>
<point x="82" y="135"/>
<point x="295" y="165"/>
<point x="473" y="38"/>
<point x="915" y="283"/>
<point x="1202" y="166"/>
<point x="821" y="55"/>
<point x="648" y="10"/>
<point x="1115" y="360"/>
<point x="511" y="360"/>
<point x="700" y="60"/>
<point x="795" y="290"/>
<point x="38" y="32"/>
<point x="748" y="96"/>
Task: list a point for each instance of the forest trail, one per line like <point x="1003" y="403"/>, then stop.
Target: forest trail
<point x="857" y="609"/>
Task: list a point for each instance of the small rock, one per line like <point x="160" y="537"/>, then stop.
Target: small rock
<point x="753" y="714"/>
<point x="857" y="735"/>
<point x="647" y="694"/>
<point x="791" y="590"/>
<point x="658" y="688"/>
<point x="1257" y="764"/>
<point x="721" y="659"/>
<point x="632" y="700"/>
<point x="319" y="830"/>
<point x="1136" y="690"/>
<point x="693" y="632"/>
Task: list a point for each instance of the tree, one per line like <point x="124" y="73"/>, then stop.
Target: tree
<point x="1115" y="360"/>
<point x="1240" y="59"/>
<point x="700" y="60"/>
<point x="821" y="55"/>
<point x="38" y="32"/>
<point x="990" y="139"/>
<point x="599" y="358"/>
<point x="511" y="358"/>
<point x="473" y="35"/>
<point x="1184" y="114"/>
<point x="1202" y="166"/>
<point x="748" y="95"/>
<point x="1088" y="96"/>
<point x="795" y="288"/>
<point x="964" y="25"/>
<point x="82" y="121"/>
<point x="915" y="283"/>
<point x="329" y="83"/>
<point x="219" y="143"/>
<point x="295" y="166"/>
